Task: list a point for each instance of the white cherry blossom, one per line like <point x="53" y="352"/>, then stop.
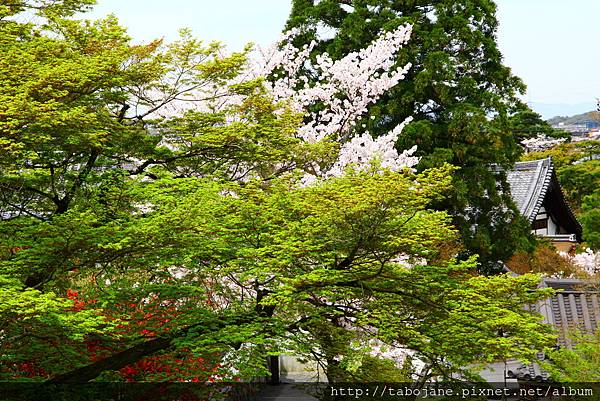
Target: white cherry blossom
<point x="541" y="142"/>
<point x="588" y="261"/>
<point x="343" y="89"/>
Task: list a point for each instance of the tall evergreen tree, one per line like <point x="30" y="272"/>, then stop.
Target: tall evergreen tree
<point x="458" y="91"/>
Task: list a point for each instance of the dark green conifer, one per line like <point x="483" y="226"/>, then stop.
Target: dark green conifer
<point x="458" y="91"/>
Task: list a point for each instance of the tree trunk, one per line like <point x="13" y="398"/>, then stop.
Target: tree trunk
<point x="274" y="369"/>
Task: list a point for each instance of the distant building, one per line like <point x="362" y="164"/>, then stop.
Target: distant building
<point x="582" y="129"/>
<point x="539" y="197"/>
<point x="576" y="129"/>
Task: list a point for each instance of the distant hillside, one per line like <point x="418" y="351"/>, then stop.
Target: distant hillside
<point x="577" y="119"/>
<point x="549" y="110"/>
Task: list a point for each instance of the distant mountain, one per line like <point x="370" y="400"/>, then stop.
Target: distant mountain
<point x="576" y="119"/>
<point x="550" y="110"/>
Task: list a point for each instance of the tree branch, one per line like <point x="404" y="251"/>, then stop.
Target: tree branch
<point x="131" y="355"/>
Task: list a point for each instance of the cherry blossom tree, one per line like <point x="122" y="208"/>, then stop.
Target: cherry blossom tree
<point x="541" y="142"/>
<point x="343" y="89"/>
<point x="588" y="261"/>
<point x="332" y="102"/>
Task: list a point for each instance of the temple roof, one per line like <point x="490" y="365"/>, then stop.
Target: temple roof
<point x="576" y="306"/>
<point x="529" y="182"/>
<point x="534" y="184"/>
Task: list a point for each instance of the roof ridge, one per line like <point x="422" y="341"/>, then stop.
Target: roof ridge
<point x="545" y="185"/>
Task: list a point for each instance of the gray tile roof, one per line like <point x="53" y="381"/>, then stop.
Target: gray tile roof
<point x="576" y="306"/>
<point x="528" y="372"/>
<point x="534" y="184"/>
<point x="529" y="182"/>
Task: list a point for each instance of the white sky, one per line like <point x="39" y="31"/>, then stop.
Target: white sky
<point x="553" y="46"/>
<point x="550" y="44"/>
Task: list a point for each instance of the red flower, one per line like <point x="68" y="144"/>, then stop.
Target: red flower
<point x="148" y="333"/>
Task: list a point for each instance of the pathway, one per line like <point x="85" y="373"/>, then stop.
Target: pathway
<point x="285" y="392"/>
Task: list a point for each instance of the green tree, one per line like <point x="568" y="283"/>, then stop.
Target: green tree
<point x="459" y="93"/>
<point x="566" y="154"/>
<point x="28" y="315"/>
<point x="78" y="127"/>
<point x="590" y="220"/>
<point x="79" y="110"/>
<point x="580" y="180"/>
<point x="193" y="233"/>
<point x="577" y="364"/>
<point x="527" y="124"/>
<point x="276" y="269"/>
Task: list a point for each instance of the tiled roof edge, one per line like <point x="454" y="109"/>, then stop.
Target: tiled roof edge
<point x="548" y="166"/>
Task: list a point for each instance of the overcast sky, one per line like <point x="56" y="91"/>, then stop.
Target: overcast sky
<point x="551" y="44"/>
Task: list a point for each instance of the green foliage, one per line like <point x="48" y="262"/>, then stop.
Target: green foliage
<point x="577" y="364"/>
<point x="377" y="370"/>
<point x="590" y="220"/>
<point x="312" y="253"/>
<point x="78" y="101"/>
<point x="566" y="154"/>
<point x="529" y="124"/>
<point x="580" y="180"/>
<point x="39" y="326"/>
<point x="44" y="8"/>
<point x="136" y="235"/>
<point x="460" y="95"/>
